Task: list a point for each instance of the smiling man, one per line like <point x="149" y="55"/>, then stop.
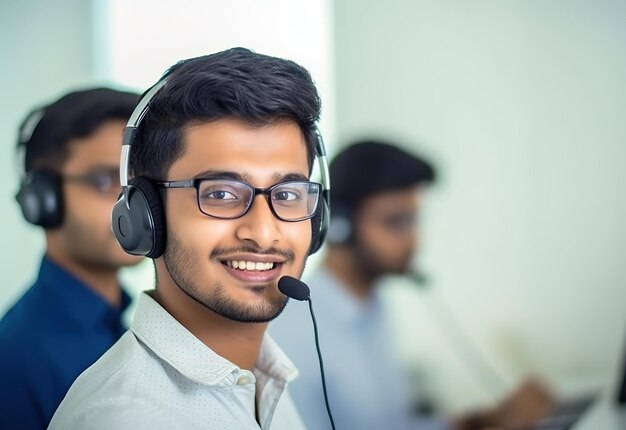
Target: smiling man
<point x="221" y="150"/>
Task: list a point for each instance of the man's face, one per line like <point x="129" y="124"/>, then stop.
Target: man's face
<point x="386" y="231"/>
<point x="201" y="250"/>
<point x="90" y="189"/>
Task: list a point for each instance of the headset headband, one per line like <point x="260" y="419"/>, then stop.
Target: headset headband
<point x="25" y="134"/>
<point x="140" y="112"/>
<point x="323" y="163"/>
<point x="131" y="129"/>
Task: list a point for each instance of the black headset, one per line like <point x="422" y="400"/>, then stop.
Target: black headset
<point x="138" y="217"/>
<point x="341" y="226"/>
<point x="40" y="195"/>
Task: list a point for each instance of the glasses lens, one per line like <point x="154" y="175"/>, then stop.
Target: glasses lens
<point x="223" y="198"/>
<point x="295" y="201"/>
<point x="399" y="223"/>
<point x="105" y="181"/>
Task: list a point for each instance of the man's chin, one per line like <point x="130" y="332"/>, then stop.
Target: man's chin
<point x="248" y="314"/>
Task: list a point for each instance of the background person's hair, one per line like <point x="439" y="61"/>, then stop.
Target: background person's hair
<point x="237" y="83"/>
<point x="369" y="167"/>
<point x="76" y="115"/>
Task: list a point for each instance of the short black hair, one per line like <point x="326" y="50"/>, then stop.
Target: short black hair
<point x="237" y="83"/>
<point x="368" y="167"/>
<point x="75" y="115"/>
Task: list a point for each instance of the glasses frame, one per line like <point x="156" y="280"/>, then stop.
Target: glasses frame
<point x="94" y="181"/>
<point x="267" y="192"/>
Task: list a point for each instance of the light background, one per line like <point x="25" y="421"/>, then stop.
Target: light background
<point x="521" y="105"/>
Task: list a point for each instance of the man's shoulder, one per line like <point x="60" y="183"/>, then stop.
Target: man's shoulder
<point x="30" y="337"/>
<point x="34" y="315"/>
<point x="22" y="311"/>
<point x="120" y="361"/>
<point x="22" y="342"/>
<point x="126" y="369"/>
<point x="123" y="411"/>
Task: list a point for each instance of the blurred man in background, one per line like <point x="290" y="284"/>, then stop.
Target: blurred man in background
<point x="375" y="199"/>
<point x="72" y="313"/>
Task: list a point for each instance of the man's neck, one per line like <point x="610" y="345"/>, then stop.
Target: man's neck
<point x="238" y="342"/>
<point x="101" y="280"/>
<point x="341" y="263"/>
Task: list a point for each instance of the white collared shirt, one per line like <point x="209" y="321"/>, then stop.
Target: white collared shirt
<point x="160" y="376"/>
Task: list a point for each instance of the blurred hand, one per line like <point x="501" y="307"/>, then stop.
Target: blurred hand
<point x="529" y="403"/>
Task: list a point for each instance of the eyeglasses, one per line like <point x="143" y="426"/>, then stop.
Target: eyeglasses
<point x="399" y="223"/>
<point x="229" y="199"/>
<point x="104" y="182"/>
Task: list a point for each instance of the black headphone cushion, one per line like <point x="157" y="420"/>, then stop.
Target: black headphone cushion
<point x="41" y="198"/>
<point x="140" y="230"/>
<point x="319" y="226"/>
<point x="340" y="225"/>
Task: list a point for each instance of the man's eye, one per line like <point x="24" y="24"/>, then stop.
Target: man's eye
<point x="287" y="195"/>
<point x="102" y="182"/>
<point x="220" y="195"/>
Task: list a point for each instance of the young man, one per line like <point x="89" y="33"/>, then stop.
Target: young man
<point x="71" y="314"/>
<point x="375" y="201"/>
<point x="220" y="199"/>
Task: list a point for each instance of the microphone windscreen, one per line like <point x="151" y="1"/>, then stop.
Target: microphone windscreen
<point x="294" y="288"/>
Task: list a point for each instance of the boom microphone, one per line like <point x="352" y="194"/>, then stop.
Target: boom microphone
<point x="298" y="290"/>
<point x="294" y="288"/>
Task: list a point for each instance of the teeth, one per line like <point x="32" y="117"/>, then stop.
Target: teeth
<point x="249" y="265"/>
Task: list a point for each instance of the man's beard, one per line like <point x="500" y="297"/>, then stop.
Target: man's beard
<point x="371" y="267"/>
<point x="180" y="264"/>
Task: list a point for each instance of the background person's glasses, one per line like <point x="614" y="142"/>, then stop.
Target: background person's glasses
<point x="400" y="223"/>
<point x="230" y="199"/>
<point x="104" y="182"/>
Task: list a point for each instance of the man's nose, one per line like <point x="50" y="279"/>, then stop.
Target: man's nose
<point x="260" y="225"/>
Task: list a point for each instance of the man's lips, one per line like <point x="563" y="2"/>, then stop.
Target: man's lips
<point x="253" y="267"/>
<point x="254" y="276"/>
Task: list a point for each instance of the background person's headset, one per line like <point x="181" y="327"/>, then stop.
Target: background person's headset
<point x="138" y="217"/>
<point x="40" y="195"/>
<point x="341" y="226"/>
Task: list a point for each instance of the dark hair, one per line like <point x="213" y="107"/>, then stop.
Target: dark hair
<point x="75" y="115"/>
<point x="236" y="83"/>
<point x="369" y="167"/>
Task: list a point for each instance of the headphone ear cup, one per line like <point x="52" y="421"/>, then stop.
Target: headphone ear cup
<point x="319" y="226"/>
<point x="139" y="224"/>
<point x="41" y="198"/>
<point x="340" y="229"/>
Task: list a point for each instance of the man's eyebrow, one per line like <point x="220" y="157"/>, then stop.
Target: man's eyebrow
<point x="244" y="177"/>
<point x="218" y="174"/>
<point x="289" y="177"/>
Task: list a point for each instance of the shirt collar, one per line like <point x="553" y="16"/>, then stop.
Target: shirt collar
<point x="177" y="346"/>
<point x="274" y="362"/>
<point x="80" y="303"/>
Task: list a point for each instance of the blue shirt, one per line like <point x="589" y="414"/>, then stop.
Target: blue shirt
<point x="50" y="336"/>
<point x="366" y="388"/>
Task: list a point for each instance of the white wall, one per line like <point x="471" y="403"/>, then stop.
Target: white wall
<point x="45" y="51"/>
<point x="521" y="105"/>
